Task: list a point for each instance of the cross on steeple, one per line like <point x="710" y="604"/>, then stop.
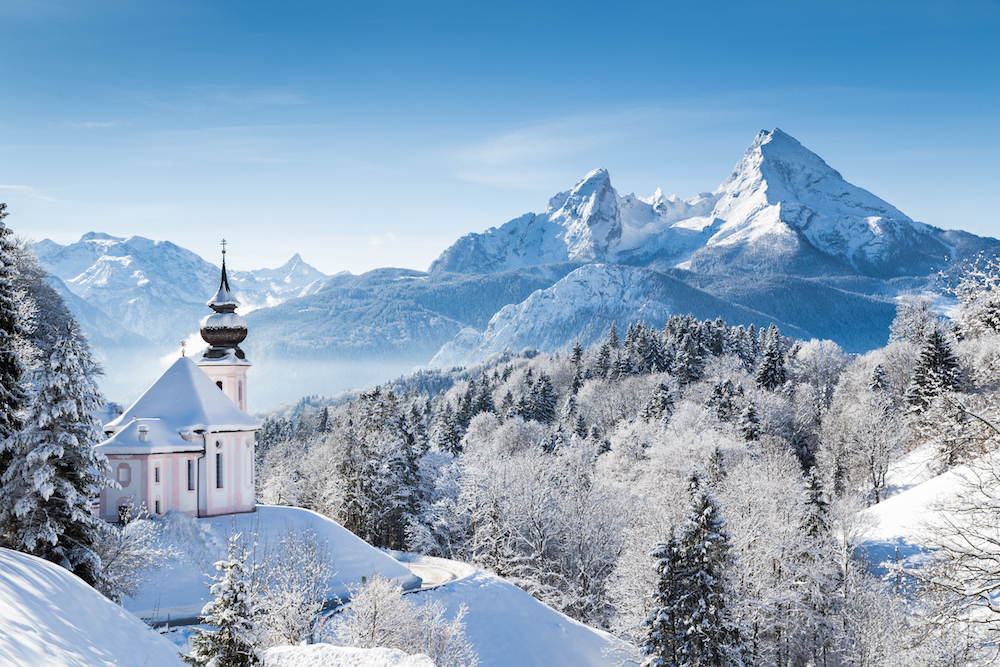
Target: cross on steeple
<point x="223" y="246"/>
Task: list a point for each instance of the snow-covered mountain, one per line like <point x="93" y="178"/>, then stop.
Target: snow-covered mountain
<point x="155" y="288"/>
<point x="137" y="298"/>
<point x="782" y="210"/>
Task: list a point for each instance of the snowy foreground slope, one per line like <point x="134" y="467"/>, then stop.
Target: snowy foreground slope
<point x="48" y="616"/>
<point x="509" y="627"/>
<point x="179" y="590"/>
<point x="506" y="625"/>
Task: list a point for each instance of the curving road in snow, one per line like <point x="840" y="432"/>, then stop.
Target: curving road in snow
<point x="433" y="575"/>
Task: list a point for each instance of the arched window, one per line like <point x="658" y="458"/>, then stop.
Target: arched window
<point x="239" y="390"/>
<point x="218" y="384"/>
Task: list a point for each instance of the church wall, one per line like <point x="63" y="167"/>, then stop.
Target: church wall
<point x="142" y="488"/>
<point x="237" y="491"/>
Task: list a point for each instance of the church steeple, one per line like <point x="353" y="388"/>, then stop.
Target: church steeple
<point x="223" y="330"/>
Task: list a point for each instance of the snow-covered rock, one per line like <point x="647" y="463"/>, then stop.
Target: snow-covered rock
<point x="49" y="616"/>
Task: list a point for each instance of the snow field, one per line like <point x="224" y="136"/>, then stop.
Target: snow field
<point x="179" y="589"/>
<point x="48" y="616"/>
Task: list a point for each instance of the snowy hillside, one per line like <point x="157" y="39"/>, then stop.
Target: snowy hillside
<point x="509" y="627"/>
<point x="782" y="210"/>
<point x="48" y="616"/>
<point x="180" y="589"/>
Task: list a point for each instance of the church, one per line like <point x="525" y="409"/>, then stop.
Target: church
<point x="187" y="444"/>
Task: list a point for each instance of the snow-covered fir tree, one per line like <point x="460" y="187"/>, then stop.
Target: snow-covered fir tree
<point x="937" y="372"/>
<point x="663" y="627"/>
<point x="709" y="636"/>
<point x="53" y="473"/>
<point x="771" y="372"/>
<point x="12" y="396"/>
<point x="230" y="640"/>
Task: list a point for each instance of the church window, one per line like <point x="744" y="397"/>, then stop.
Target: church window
<point x="124" y="474"/>
<point x="239" y="387"/>
<point x="218" y="470"/>
<point x="190" y="474"/>
<point x="219" y="384"/>
<point x="156" y="475"/>
<point x="157" y="510"/>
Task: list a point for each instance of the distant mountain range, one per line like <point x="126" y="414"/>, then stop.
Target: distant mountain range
<point x="784" y="239"/>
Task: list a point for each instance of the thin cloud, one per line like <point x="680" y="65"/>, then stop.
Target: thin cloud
<point x="92" y="125"/>
<point x="523" y="157"/>
<point x="27" y="191"/>
<point x="205" y="97"/>
<point x="376" y="241"/>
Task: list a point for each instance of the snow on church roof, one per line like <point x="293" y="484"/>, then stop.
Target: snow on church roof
<point x="187" y="401"/>
<point x="160" y="439"/>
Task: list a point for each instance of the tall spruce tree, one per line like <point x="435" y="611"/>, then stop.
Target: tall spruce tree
<point x="771" y="373"/>
<point x="663" y="626"/>
<point x="709" y="636"/>
<point x="53" y="472"/>
<point x="12" y="394"/>
<point x="691" y="624"/>
<point x="937" y="371"/>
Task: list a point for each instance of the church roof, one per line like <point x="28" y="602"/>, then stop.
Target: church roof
<point x="160" y="439"/>
<point x="187" y="401"/>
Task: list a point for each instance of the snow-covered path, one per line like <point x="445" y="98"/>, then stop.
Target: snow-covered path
<point x="432" y="575"/>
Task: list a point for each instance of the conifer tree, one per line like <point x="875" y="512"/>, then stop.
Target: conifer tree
<point x="660" y="405"/>
<point x="771" y="373"/>
<point x="613" y="341"/>
<point x="709" y="635"/>
<point x="543" y="400"/>
<point x="446" y="433"/>
<point x="662" y="625"/>
<point x="878" y="381"/>
<point x="750" y="422"/>
<point x="688" y="361"/>
<point x="12" y="396"/>
<point x="936" y="372"/>
<point x="692" y="623"/>
<point x="53" y="472"/>
<point x="230" y="640"/>
<point x="721" y="400"/>
<point x="602" y="366"/>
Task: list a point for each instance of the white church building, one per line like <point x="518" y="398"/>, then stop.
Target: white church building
<point x="187" y="443"/>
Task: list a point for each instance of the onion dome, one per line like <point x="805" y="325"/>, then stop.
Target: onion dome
<point x="223" y="330"/>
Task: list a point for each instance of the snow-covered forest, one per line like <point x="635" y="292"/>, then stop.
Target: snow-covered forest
<point x="588" y="477"/>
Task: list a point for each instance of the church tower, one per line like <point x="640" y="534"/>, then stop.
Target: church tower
<point x="224" y="362"/>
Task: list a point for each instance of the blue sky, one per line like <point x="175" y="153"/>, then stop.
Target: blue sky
<point x="375" y="134"/>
